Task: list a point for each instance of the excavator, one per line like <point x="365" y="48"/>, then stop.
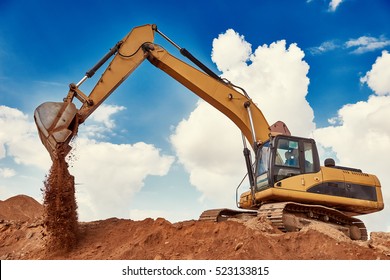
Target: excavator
<point x="287" y="185"/>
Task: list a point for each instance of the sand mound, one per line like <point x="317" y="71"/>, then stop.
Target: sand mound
<point x="120" y="239"/>
<point x="20" y="208"/>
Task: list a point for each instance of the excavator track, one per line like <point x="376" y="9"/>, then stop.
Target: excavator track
<point x="291" y="216"/>
<point x="222" y="214"/>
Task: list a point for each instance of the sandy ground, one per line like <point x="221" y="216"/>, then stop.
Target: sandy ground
<point x="23" y="235"/>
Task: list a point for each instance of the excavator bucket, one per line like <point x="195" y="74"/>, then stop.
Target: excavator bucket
<point x="56" y="123"/>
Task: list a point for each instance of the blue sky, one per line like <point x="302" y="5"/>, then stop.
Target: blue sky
<point x="326" y="59"/>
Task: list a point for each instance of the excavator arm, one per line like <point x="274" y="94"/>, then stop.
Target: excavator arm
<point x="58" y="122"/>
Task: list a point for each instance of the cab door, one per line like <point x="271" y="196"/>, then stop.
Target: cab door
<point x="285" y="161"/>
<point x="295" y="162"/>
<point x="311" y="169"/>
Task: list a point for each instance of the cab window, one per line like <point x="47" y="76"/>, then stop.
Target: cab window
<point x="264" y="159"/>
<point x="309" y="158"/>
<point x="287" y="153"/>
<point x="263" y="167"/>
<point x="287" y="159"/>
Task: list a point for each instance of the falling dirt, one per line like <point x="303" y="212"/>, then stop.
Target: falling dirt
<point x="60" y="208"/>
<point x="123" y="239"/>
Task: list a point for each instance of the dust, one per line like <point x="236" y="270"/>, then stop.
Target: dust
<point x="60" y="208"/>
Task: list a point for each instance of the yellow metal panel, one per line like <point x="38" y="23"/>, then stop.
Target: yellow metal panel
<point x="129" y="57"/>
<point x="296" y="182"/>
<point x="312" y="179"/>
<point x="332" y="174"/>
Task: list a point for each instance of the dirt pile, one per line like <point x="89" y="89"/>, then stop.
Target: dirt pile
<point x="20" y="208"/>
<point x="60" y="208"/>
<point x="159" y="239"/>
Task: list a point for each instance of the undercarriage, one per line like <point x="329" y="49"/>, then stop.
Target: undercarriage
<point x="291" y="216"/>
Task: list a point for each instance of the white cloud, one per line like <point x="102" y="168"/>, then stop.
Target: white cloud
<point x="367" y="125"/>
<point x="50" y="84"/>
<point x="324" y="47"/>
<point x="360" y="45"/>
<point x="23" y="159"/>
<point x="209" y="145"/>
<point x="334" y="4"/>
<point x="19" y="140"/>
<point x="7" y="172"/>
<point x="277" y="78"/>
<point x="101" y="124"/>
<point x="378" y="78"/>
<point x="103" y="114"/>
<point x="365" y="44"/>
<point x="109" y="175"/>
<point x="233" y="56"/>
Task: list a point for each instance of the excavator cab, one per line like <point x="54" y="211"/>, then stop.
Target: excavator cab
<point x="57" y="124"/>
<point x="283" y="157"/>
<point x="293" y="156"/>
<point x="288" y="169"/>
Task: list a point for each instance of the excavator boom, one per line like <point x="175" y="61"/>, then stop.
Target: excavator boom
<point x="57" y="122"/>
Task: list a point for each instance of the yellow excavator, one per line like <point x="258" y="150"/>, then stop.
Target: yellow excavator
<point x="287" y="184"/>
